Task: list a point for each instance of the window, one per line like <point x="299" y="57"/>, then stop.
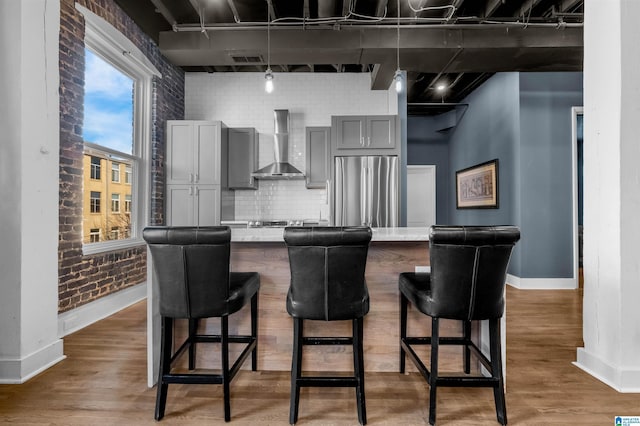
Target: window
<point x="117" y="130"/>
<point x="95" y="202"/>
<point x="115" y="172"/>
<point x="115" y="203"/>
<point x="108" y="135"/>
<point x="95" y="168"/>
<point x="94" y="235"/>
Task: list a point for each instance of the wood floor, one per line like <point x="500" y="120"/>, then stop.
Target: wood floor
<point x="103" y="382"/>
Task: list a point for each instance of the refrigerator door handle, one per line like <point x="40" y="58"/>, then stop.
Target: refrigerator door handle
<point x="327" y="186"/>
<point x="367" y="194"/>
<point x="363" y="197"/>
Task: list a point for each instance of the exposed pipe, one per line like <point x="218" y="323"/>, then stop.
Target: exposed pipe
<point x="165" y="12"/>
<point x="285" y="25"/>
<point x="435" y="79"/>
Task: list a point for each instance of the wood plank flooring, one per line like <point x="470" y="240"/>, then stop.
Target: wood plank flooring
<point x="103" y="382"/>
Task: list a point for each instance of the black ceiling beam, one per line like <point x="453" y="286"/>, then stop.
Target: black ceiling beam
<point x="424" y="49"/>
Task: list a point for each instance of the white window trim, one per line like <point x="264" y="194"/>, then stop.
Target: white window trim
<point x="109" y="43"/>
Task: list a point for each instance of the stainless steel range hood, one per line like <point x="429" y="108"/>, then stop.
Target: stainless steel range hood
<point x="280" y="168"/>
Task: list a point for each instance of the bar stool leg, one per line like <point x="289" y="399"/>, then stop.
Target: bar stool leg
<point x="254" y="331"/>
<point x="193" y="330"/>
<point x="296" y="369"/>
<point x="358" y="364"/>
<point x="496" y="369"/>
<point x="433" y="377"/>
<point x="403" y="329"/>
<point x="224" y="340"/>
<point x="466" y="326"/>
<point x="165" y="366"/>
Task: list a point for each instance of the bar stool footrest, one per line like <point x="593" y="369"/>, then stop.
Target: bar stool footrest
<point x="327" y="381"/>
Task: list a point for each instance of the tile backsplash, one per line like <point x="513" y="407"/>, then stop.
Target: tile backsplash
<point x="281" y="199"/>
<point x="239" y="100"/>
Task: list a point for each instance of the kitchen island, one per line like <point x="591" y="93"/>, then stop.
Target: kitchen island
<point x="392" y="251"/>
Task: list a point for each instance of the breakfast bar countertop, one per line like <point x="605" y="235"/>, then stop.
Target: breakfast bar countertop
<point x="274" y="235"/>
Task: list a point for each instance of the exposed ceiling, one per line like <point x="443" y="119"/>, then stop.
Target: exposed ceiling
<point x="459" y="43"/>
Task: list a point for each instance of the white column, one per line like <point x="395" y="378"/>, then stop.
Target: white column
<point x="29" y="161"/>
<point x="611" y="310"/>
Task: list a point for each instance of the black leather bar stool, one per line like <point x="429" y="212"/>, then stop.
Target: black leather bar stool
<point x="327" y="284"/>
<point x="191" y="266"/>
<point x="466" y="283"/>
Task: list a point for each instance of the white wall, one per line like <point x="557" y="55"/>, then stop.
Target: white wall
<point x="611" y="318"/>
<point x="239" y="100"/>
<point x="10" y="245"/>
<point x="29" y="188"/>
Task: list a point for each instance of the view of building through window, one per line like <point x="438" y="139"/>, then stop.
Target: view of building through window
<point x="108" y="161"/>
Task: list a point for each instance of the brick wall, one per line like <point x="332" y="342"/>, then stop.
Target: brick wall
<point x="86" y="278"/>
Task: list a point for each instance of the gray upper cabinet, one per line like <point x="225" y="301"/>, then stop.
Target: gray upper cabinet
<point x="242" y="158"/>
<point x="193" y="152"/>
<point x="365" y="132"/>
<point x="318" y="151"/>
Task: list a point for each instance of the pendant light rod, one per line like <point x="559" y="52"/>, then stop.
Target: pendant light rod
<point x="268" y="76"/>
<point x="397" y="77"/>
<point x="398" y="39"/>
<point x="268" y="35"/>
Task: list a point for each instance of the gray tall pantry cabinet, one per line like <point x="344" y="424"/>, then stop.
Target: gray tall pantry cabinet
<point x="195" y="172"/>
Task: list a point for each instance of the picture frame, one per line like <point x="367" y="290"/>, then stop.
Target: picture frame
<point x="477" y="186"/>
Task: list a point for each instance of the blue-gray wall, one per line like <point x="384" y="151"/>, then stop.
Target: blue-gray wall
<point x="427" y="144"/>
<point x="545" y="172"/>
<point x="490" y="129"/>
<point x="523" y="120"/>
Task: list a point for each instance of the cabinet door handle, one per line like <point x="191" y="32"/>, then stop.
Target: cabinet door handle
<point x="361" y="140"/>
<point x="195" y="178"/>
<point x="190" y="190"/>
<point x="368" y="140"/>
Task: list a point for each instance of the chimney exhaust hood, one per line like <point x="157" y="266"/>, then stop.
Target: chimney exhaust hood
<point x="280" y="169"/>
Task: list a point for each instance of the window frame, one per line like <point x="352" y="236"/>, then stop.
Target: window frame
<point x="115" y="48"/>
<point x="95" y="208"/>
<point x="115" y="174"/>
<point x="128" y="173"/>
<point x="96" y="169"/>
<point x="115" y="202"/>
<point x="94" y="232"/>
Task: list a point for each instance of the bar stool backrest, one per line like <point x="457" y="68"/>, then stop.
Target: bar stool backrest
<point x="191" y="267"/>
<point x="469" y="270"/>
<point x="327" y="272"/>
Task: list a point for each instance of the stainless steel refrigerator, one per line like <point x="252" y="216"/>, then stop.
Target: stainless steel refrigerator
<point x="366" y="191"/>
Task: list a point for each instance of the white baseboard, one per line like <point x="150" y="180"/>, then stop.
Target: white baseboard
<point x="626" y="381"/>
<point x="76" y="319"/>
<point x="542" y="283"/>
<point x="19" y="370"/>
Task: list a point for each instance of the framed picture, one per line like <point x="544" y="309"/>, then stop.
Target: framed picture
<point x="477" y="186"/>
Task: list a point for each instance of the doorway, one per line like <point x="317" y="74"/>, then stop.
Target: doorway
<point x="421" y="196"/>
<point x="577" y="118"/>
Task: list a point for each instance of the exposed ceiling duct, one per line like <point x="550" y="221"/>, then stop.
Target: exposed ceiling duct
<point x="461" y="41"/>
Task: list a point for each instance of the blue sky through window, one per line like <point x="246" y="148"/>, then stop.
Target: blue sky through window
<point x="108" y="105"/>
